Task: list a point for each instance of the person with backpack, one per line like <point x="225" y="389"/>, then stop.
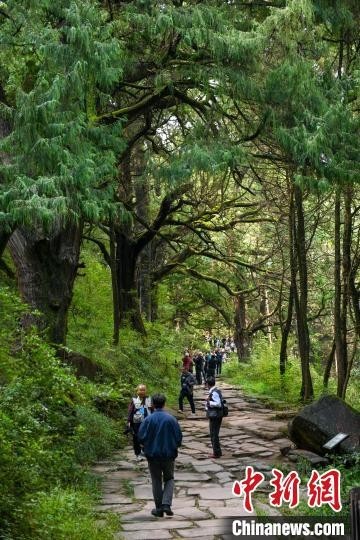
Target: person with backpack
<point x="187" y="381"/>
<point x="214" y="412"/>
<point x="140" y="408"/>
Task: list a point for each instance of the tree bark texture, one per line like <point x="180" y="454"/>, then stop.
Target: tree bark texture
<point x="46" y="267"/>
<point x="126" y="259"/>
<point x="342" y="358"/>
<point x="242" y="337"/>
<point x="301" y="294"/>
<point x="285" y="331"/>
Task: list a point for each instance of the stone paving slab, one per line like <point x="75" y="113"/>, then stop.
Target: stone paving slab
<point x="143" y="535"/>
<point x="143" y="492"/>
<point x="115" y="498"/>
<point x="203" y="486"/>
<point x="159" y="524"/>
<point x="205" y="503"/>
<point x="119" y="508"/>
<point x="209" y="466"/>
<point x="201" y="532"/>
<point x="231" y="511"/>
<point x="210" y="493"/>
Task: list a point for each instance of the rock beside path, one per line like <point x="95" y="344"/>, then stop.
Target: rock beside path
<point x="317" y="423"/>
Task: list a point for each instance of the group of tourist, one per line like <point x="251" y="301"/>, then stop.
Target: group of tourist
<point x="227" y="343"/>
<point x="206" y="365"/>
<point x="157" y="434"/>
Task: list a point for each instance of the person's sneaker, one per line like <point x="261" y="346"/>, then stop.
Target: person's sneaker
<point x="157" y="512"/>
<point x="193" y="413"/>
<point x="166" y="508"/>
<point x="213" y="456"/>
<point x="180" y="411"/>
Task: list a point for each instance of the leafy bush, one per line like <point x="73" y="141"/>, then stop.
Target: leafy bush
<point x="66" y="514"/>
<point x="151" y="360"/>
<point x="48" y="428"/>
<point x="261" y="375"/>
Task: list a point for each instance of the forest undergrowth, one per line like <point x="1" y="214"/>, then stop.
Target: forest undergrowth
<point x="54" y="425"/>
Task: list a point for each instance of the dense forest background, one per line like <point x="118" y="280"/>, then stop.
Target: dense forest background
<point x="167" y="170"/>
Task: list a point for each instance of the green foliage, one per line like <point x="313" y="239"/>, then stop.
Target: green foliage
<point x="261" y="375"/>
<point x="64" y="514"/>
<point x="151" y="360"/>
<point x="348" y="465"/>
<point x="58" y="157"/>
<point x="48" y="427"/>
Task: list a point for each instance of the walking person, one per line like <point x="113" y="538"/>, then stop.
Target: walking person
<point x="160" y="434"/>
<point x="187" y="381"/>
<point x="140" y="408"/>
<point x="199" y="363"/>
<point x="219" y="360"/>
<point x="214" y="412"/>
<point x="187" y="362"/>
<point x="211" y="365"/>
<point x="206" y="363"/>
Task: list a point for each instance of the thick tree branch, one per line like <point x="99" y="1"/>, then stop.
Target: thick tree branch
<point x="102" y="247"/>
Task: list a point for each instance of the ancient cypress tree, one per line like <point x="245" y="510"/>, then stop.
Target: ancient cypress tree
<point x="59" y="163"/>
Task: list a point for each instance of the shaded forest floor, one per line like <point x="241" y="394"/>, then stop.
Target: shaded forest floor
<point x="251" y="435"/>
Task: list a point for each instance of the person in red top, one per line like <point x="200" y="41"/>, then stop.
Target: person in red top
<point x="188" y="362"/>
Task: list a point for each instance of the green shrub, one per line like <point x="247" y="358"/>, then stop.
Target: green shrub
<point x="95" y="435"/>
<point x="261" y="375"/>
<point x="49" y="429"/>
<point x="66" y="514"/>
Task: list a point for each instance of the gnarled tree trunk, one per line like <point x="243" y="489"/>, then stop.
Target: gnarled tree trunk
<point x="46" y="267"/>
<point x="126" y="259"/>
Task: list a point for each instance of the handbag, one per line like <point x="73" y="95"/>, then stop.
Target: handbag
<point x="215" y="412"/>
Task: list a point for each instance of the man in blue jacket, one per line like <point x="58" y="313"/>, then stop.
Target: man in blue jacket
<point x="160" y="434"/>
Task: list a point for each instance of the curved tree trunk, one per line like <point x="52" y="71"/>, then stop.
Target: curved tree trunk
<point x="329" y="363"/>
<point x="285" y="331"/>
<point x="46" y="270"/>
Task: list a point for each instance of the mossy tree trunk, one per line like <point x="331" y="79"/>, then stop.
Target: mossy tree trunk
<point x="46" y="267"/>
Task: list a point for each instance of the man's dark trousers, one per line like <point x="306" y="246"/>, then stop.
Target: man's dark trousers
<point x="214" y="425"/>
<point x="136" y="444"/>
<point x="185" y="393"/>
<point x="198" y="375"/>
<point x="162" y="478"/>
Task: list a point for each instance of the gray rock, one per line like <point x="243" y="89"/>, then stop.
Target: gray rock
<point x="315" y="424"/>
<point x="310" y="457"/>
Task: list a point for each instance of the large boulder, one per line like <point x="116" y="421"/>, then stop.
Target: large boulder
<point x="315" y="424"/>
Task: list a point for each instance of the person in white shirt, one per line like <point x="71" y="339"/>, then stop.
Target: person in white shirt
<point x="214" y="412"/>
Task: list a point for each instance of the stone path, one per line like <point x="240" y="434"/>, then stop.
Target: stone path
<point x="250" y="435"/>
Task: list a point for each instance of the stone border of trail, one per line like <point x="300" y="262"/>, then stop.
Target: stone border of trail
<point x="250" y="435"/>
